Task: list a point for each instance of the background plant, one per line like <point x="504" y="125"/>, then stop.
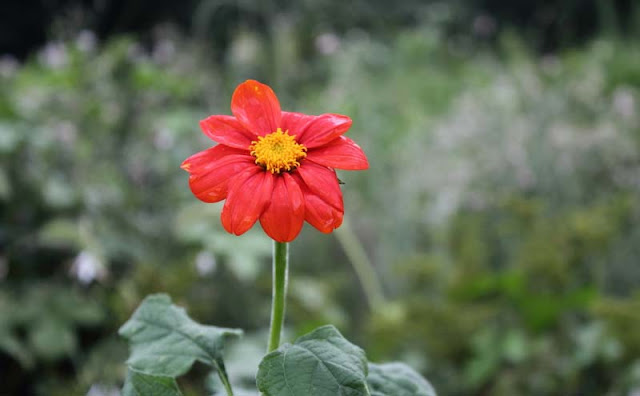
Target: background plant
<point x="506" y="247"/>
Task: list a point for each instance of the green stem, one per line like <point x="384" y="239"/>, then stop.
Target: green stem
<point x="279" y="293"/>
<point x="222" y="373"/>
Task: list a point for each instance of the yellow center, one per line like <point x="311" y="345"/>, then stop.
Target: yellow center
<point x="278" y="151"/>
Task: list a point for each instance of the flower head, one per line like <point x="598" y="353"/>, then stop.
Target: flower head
<point x="273" y="166"/>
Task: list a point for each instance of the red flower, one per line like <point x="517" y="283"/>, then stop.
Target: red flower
<point x="273" y="165"/>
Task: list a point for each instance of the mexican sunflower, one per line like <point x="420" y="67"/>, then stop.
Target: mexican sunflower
<point x="273" y="165"/>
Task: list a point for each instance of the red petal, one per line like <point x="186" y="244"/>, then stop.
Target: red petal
<point x="283" y="218"/>
<point x="227" y="130"/>
<point x="323" y="182"/>
<point x="248" y="196"/>
<point x="214" y="186"/>
<point x="256" y="107"/>
<point x="295" y="123"/>
<point x="323" y="129"/>
<point x="204" y="160"/>
<point x="210" y="171"/>
<point x="341" y="153"/>
<point x="320" y="214"/>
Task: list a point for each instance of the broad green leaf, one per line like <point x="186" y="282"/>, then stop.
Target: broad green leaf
<point x="165" y="341"/>
<point x="321" y="363"/>
<point x="141" y="384"/>
<point x="397" y="379"/>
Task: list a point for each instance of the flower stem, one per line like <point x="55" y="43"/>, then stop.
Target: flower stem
<point x="279" y="293"/>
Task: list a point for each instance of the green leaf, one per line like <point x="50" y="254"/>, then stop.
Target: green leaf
<point x="141" y="384"/>
<point x="397" y="379"/>
<point x="165" y="341"/>
<point x="321" y="363"/>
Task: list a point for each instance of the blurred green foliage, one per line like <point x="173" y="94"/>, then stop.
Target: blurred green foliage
<point x="501" y="209"/>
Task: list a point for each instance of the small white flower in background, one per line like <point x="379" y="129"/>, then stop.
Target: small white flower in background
<point x="86" y="41"/>
<point x="8" y="65"/>
<point x="327" y="43"/>
<point x="54" y="55"/>
<point x="87" y="267"/>
<point x="624" y="103"/>
<point x="164" y="51"/>
<point x="205" y="263"/>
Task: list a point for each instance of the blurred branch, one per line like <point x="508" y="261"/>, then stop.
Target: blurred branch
<point x="361" y="264"/>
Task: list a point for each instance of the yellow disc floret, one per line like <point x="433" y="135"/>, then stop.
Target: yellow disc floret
<point x="278" y="151"/>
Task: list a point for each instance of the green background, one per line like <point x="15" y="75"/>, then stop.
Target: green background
<point x="492" y="245"/>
